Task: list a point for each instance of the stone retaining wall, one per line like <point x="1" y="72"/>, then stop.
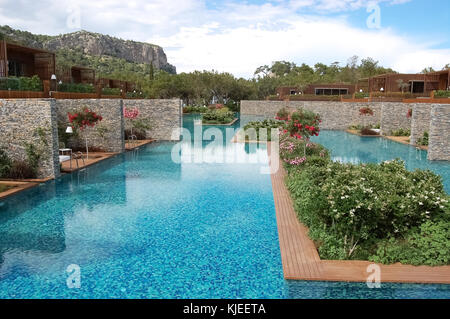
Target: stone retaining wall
<point x="420" y="122"/>
<point x="164" y="115"/>
<point x="439" y="140"/>
<point x="394" y="117"/>
<point x="335" y="115"/>
<point x="433" y="118"/>
<point x="113" y="123"/>
<point x="20" y="121"/>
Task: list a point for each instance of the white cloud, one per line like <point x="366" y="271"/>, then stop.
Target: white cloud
<point x="234" y="37"/>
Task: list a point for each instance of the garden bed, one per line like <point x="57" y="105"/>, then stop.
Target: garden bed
<point x="357" y="132"/>
<point x="220" y="124"/>
<point x="375" y="212"/>
<point x="379" y="213"/>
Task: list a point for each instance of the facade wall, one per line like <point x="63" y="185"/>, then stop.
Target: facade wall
<point x="20" y="121"/>
<point x="164" y="115"/>
<point x="439" y="140"/>
<point x="394" y="117"/>
<point x="112" y="112"/>
<point x="420" y="121"/>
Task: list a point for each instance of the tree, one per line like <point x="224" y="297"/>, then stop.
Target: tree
<point x="262" y="71"/>
<point x="428" y="70"/>
<point x="402" y="85"/>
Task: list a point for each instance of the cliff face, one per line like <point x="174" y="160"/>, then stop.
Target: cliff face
<point x="95" y="44"/>
<point x="98" y="44"/>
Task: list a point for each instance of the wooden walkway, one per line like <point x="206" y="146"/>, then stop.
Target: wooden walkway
<point x="302" y="262"/>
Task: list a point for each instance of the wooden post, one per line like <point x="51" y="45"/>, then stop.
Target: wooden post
<point x="98" y="90"/>
<point x="46" y="85"/>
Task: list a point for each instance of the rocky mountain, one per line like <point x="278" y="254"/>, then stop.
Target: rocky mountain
<point x="94" y="45"/>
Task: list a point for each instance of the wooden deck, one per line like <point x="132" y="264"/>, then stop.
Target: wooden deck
<point x="302" y="262"/>
<point x="94" y="157"/>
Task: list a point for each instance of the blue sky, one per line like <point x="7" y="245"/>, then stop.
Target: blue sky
<point x="239" y="36"/>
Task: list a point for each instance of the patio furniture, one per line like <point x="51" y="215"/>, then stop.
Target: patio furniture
<point x="65" y="158"/>
<point x="77" y="156"/>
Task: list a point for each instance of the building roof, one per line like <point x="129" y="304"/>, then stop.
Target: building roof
<point x="25" y="49"/>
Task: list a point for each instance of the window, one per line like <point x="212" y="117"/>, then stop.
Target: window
<point x="323" y="91"/>
<point x="15" y="68"/>
<point x="417" y="87"/>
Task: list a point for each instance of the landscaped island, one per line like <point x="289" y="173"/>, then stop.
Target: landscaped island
<point x="377" y="212"/>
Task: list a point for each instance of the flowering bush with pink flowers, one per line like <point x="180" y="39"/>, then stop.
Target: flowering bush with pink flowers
<point x="130" y="113"/>
<point x="300" y="152"/>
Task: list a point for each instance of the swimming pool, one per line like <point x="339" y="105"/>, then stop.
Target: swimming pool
<point x="351" y="148"/>
<point x="141" y="226"/>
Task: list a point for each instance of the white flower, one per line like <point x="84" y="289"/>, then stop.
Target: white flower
<point x="420" y="203"/>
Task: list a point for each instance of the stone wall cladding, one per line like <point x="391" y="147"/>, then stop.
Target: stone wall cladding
<point x="19" y="120"/>
<point x="439" y="140"/>
<point x="394" y="117"/>
<point x="165" y="116"/>
<point x="420" y="122"/>
<point x="112" y="112"/>
<point x="335" y="115"/>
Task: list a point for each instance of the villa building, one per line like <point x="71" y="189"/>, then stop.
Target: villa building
<point x="77" y="74"/>
<point x="18" y="60"/>
<point x="317" y="89"/>
<point x="407" y="83"/>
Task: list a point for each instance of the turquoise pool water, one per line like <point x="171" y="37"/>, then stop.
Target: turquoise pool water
<point x="141" y="226"/>
<point x="351" y="148"/>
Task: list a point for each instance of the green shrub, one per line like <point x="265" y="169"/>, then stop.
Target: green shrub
<point x="76" y="88"/>
<point x="218" y="117"/>
<point x="5" y="163"/>
<point x="442" y="94"/>
<point x="423" y="140"/>
<point x="358" y="205"/>
<point x="361" y="95"/>
<point x="195" y="109"/>
<point x="233" y="106"/>
<point x="266" y="124"/>
<point x="11" y="83"/>
<point x="401" y="132"/>
<point x="135" y="95"/>
<point x="21" y="84"/>
<point x="429" y="244"/>
<point x="111" y="91"/>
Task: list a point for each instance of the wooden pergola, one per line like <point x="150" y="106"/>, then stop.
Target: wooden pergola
<point x="77" y="74"/>
<point x="443" y="77"/>
<point x="389" y="82"/>
<point x="125" y="86"/>
<point x="18" y="60"/>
